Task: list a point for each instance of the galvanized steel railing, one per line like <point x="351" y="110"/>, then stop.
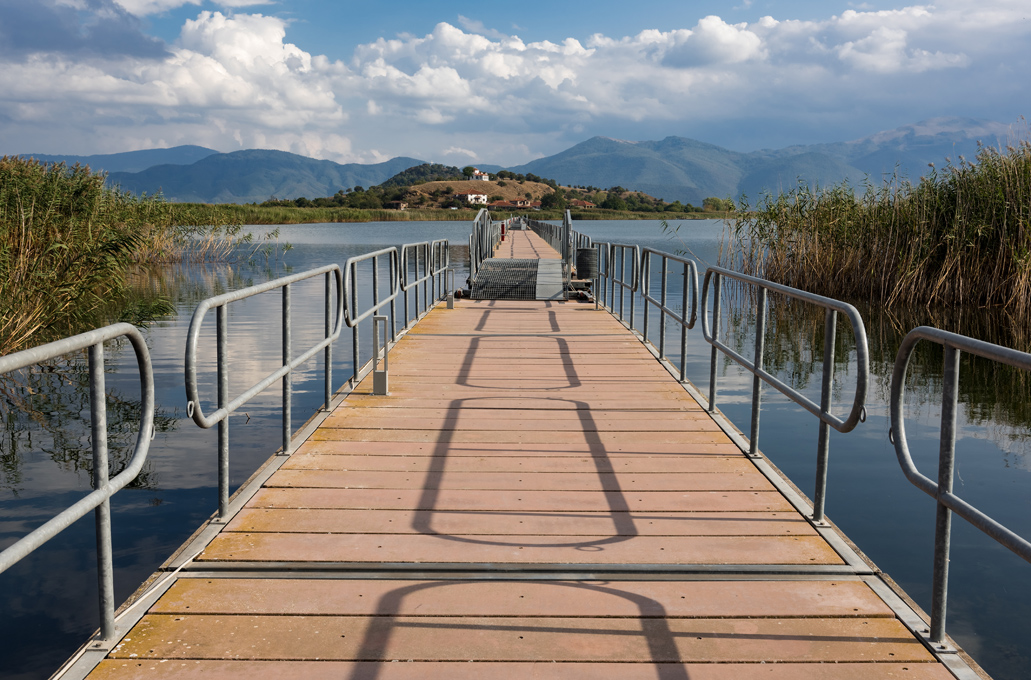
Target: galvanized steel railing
<point x="688" y="313"/>
<point x="941" y="491"/>
<point x="485" y="237"/>
<point x="352" y="314"/>
<point x="104" y="488"/>
<point x="613" y="261"/>
<point x="857" y="413"/>
<point x="290" y="362"/>
<point x="423" y="269"/>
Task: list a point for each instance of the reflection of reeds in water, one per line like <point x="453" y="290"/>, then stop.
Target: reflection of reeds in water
<point x="993" y="395"/>
<point x="46" y="409"/>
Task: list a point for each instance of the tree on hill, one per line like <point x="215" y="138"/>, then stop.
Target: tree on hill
<point x="427" y="172"/>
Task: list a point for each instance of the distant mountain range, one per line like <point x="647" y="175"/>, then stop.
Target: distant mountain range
<point x="675" y="168"/>
<point x="683" y="169"/>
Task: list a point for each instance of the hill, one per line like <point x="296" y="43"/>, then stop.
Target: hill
<point x="130" y="161"/>
<point x="254" y="176"/>
<point x="677" y="168"/>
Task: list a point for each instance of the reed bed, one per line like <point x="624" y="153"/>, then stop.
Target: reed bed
<point x="70" y="250"/>
<point x="959" y="237"/>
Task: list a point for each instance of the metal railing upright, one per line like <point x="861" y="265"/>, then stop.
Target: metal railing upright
<point x="857" y="413"/>
<point x="104" y="487"/>
<point x="485" y="237"/>
<point x="613" y="275"/>
<point x="423" y="269"/>
<point x="220" y="303"/>
<point x="354" y="313"/>
<point x="686" y="316"/>
<point x="942" y="491"/>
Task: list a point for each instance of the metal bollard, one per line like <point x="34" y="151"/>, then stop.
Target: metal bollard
<point x="379" y="377"/>
<point x="450" y="287"/>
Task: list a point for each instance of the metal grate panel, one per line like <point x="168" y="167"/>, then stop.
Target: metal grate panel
<point x="499" y="279"/>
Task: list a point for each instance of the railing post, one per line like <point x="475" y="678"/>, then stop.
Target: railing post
<point x="683" y="326"/>
<point x="760" y="346"/>
<point x="102" y="514"/>
<point x="221" y="351"/>
<point x="943" y="519"/>
<point x="329" y="346"/>
<point x="354" y="331"/>
<point x="380" y="384"/>
<point x="646" y="271"/>
<point x="823" y="446"/>
<point x="287" y="382"/>
<point x="717" y="285"/>
<point x="662" y="311"/>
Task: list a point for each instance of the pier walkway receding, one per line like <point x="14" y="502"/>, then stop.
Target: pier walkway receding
<point x="536" y="497"/>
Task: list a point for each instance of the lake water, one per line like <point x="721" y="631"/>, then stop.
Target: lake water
<point x="49" y="599"/>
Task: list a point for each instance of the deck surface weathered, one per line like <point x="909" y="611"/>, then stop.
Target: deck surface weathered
<point x="495" y="509"/>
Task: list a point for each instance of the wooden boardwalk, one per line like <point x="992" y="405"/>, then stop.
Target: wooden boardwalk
<point x="536" y="498"/>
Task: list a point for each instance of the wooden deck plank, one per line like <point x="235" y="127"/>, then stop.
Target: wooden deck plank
<point x="134" y="669"/>
<point x="517" y="463"/>
<point x="344" y="521"/>
<point x="471" y="639"/>
<point x="516" y="481"/>
<point x="523" y="501"/>
<point x="435" y="548"/>
<point x="695" y="599"/>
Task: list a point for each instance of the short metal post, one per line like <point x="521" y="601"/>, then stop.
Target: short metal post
<point x="379" y="377"/>
<point x="662" y="311"/>
<point x="450" y="287"/>
<point x="102" y="514"/>
<point x="943" y="519"/>
<point x="716" y="289"/>
<point x="329" y="346"/>
<point x="646" y="276"/>
<point x="683" y="328"/>
<point x="287" y="386"/>
<point x="354" y="330"/>
<point x="222" y="357"/>
<point x="823" y="446"/>
<point x="757" y="383"/>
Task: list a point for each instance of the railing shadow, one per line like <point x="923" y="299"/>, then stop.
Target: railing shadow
<point x="383" y="625"/>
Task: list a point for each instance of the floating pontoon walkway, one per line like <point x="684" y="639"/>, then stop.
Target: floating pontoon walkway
<point x="536" y="498"/>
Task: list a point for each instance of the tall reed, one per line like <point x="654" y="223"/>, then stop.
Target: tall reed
<point x="961" y="236"/>
<point x="69" y="248"/>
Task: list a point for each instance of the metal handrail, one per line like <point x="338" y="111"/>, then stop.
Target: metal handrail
<point x="941" y="491"/>
<point x="104" y="488"/>
<point x="227" y="406"/>
<point x="685" y="318"/>
<point x="435" y="259"/>
<point x="755" y="367"/>
<point x="609" y="271"/>
<point x="485" y="237"/>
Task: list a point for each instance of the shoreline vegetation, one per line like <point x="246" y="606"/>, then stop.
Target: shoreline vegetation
<point x="73" y="254"/>
<point x="272" y="215"/>
<point x="958" y="238"/>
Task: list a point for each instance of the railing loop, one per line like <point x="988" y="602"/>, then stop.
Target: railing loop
<point x="713" y="280"/>
<point x="104" y="488"/>
<point x="226" y="405"/>
<point x="947" y="502"/>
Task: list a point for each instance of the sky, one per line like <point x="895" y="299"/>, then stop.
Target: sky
<point x="496" y="83"/>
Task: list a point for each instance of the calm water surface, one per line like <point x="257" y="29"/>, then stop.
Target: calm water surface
<point x="49" y="599"/>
